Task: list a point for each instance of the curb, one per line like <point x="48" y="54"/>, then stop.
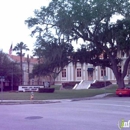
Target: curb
<point x="94" y="97"/>
<point x="18" y="102"/>
<point x="7" y="102"/>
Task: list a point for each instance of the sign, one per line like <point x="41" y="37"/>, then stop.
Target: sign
<point x="2" y="78"/>
<point x="29" y="88"/>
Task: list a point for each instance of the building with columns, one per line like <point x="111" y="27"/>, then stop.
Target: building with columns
<point x="87" y="72"/>
<point x="70" y="73"/>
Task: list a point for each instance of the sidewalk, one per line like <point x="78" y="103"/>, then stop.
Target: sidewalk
<point x="94" y="97"/>
<point x="16" y="102"/>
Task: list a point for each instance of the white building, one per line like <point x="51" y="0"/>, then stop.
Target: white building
<point x="71" y="72"/>
<point x="86" y="72"/>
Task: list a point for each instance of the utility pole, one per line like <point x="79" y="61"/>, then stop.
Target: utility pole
<point x="2" y="79"/>
<point x="28" y="62"/>
<point x="12" y="82"/>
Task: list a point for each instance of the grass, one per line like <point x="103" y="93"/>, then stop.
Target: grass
<point x="58" y="94"/>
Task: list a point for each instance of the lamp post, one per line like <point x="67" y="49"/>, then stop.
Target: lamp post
<point x="12" y="81"/>
<point x="2" y="79"/>
<point x="28" y="62"/>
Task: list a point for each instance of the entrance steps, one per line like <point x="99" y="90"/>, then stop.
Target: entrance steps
<point x="84" y="84"/>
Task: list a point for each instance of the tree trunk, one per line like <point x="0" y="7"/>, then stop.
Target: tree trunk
<point x="119" y="71"/>
<point x="120" y="82"/>
<point x="119" y="77"/>
<point x="38" y="80"/>
<point x="21" y="66"/>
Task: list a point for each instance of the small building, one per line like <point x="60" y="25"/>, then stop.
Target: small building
<point x="27" y="65"/>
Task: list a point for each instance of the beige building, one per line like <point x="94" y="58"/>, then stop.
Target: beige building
<point x="71" y="72"/>
<point x="88" y="72"/>
<point x="28" y="64"/>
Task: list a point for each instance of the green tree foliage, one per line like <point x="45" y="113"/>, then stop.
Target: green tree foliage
<point x="53" y="57"/>
<point x="9" y="69"/>
<point x="19" y="48"/>
<point x="89" y="20"/>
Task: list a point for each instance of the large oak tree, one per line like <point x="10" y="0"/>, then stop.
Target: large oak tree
<point x="53" y="56"/>
<point x="90" y="20"/>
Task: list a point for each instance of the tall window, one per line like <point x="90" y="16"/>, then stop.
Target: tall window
<point x="103" y="72"/>
<point x="78" y="72"/>
<point x="64" y="73"/>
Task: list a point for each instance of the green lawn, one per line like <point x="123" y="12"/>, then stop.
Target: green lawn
<point x="58" y="94"/>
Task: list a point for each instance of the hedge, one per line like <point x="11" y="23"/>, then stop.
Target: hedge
<point x="69" y="85"/>
<point x="46" y="90"/>
<point x="100" y="84"/>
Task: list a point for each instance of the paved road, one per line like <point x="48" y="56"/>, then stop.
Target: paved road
<point x="99" y="114"/>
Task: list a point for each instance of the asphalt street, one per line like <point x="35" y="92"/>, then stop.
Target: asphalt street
<point x="96" y="114"/>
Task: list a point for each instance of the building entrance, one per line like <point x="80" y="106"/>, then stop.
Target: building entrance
<point x="90" y="74"/>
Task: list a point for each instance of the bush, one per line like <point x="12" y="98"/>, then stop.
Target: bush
<point x="46" y="90"/>
<point x="100" y="84"/>
<point x="69" y="85"/>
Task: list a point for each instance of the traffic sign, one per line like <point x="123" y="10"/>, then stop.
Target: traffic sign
<point x="2" y="78"/>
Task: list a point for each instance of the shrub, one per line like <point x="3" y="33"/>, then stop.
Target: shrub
<point x="69" y="85"/>
<point x="46" y="90"/>
<point x="100" y="84"/>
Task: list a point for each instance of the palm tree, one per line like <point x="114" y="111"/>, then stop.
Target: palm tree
<point x="19" y="51"/>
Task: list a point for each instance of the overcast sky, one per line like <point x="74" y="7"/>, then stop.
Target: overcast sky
<point x="13" y="14"/>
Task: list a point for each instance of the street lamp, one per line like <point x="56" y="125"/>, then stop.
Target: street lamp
<point x="28" y="63"/>
<point x="12" y="81"/>
<point x="2" y="79"/>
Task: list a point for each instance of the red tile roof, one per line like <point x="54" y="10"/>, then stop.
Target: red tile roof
<point x="24" y="59"/>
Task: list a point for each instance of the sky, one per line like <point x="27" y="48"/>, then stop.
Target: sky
<point x="13" y="30"/>
<point x="13" y="14"/>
